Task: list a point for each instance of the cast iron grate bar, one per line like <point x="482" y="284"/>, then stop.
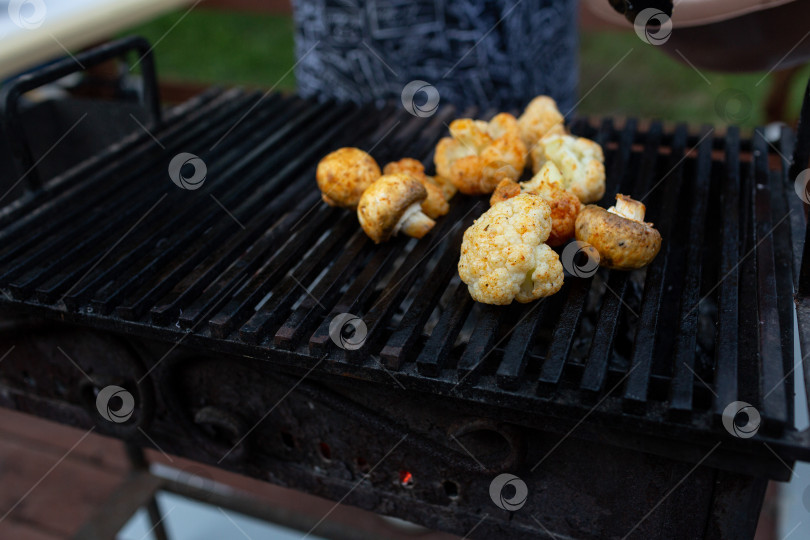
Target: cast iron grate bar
<point x="782" y="214"/>
<point x="726" y="353"/>
<point x="377" y="316"/>
<point x="280" y="179"/>
<point x="182" y="120"/>
<point x="101" y="237"/>
<point x="562" y="339"/>
<point x="638" y="381"/>
<point x="773" y="403"/>
<point x="287" y="290"/>
<point x="142" y="262"/>
<point x="73" y="206"/>
<point x="402" y="343"/>
<point x="748" y="370"/>
<point x="356" y="296"/>
<point x="434" y="354"/>
<point x="683" y="382"/>
<point x="482" y="342"/>
<point x="206" y="287"/>
<point x="599" y="355"/>
<point x="232" y="188"/>
<point x="269" y="274"/>
<point x="324" y="293"/>
<point x="510" y="373"/>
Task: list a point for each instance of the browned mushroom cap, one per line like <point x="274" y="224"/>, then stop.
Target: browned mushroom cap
<point x="621" y="237"/>
<point x="391" y="204"/>
<point x="344" y="174"/>
<point x="435" y="205"/>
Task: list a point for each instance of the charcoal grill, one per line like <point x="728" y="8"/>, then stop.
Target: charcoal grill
<point x="212" y="307"/>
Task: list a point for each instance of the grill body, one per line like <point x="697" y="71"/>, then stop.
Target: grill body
<point x="210" y="305"/>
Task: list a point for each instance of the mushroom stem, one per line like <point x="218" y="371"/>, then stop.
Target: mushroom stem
<point x="414" y="223"/>
<point x="629" y="208"/>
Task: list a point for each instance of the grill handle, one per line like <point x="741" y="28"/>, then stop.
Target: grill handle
<point x="801" y="157"/>
<point x="16" y="87"/>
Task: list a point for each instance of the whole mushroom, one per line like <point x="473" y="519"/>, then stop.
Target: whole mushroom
<point x="620" y="235"/>
<point x="344" y="175"/>
<point x="393" y="204"/>
<point x="436" y="204"/>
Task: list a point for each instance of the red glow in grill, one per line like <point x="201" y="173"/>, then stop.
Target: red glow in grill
<point x="405" y="478"/>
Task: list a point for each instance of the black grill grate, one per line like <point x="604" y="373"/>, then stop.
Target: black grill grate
<point x="254" y="264"/>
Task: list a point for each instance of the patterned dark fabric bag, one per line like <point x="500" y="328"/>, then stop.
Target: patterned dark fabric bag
<point x="475" y="52"/>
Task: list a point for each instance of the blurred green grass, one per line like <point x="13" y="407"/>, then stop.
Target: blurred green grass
<point x="650" y="84"/>
<point x="223" y="47"/>
<point x="219" y="47"/>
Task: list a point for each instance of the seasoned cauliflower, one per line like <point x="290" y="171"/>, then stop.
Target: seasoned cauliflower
<point x="479" y="154"/>
<point x="580" y="160"/>
<point x="548" y="184"/>
<point x="448" y="189"/>
<point x="504" y="257"/>
<point x="540" y="118"/>
<point x="436" y="204"/>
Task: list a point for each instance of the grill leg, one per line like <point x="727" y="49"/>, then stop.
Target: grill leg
<point x="736" y="506"/>
<point x="157" y="520"/>
<point x="138" y="461"/>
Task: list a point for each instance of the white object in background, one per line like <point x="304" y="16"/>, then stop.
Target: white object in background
<point x="35" y="31"/>
<point x="794" y="497"/>
<point x="692" y="12"/>
<point x="186" y="519"/>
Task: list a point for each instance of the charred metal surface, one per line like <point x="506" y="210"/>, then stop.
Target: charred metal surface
<point x="66" y="367"/>
<point x="218" y="323"/>
<point x="332" y="437"/>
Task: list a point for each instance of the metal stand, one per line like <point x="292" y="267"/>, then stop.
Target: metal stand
<point x="139" y="463"/>
<point x="139" y="490"/>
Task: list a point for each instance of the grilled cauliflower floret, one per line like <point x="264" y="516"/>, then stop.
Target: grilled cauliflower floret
<point x="506" y="189"/>
<point x="448" y="189"/>
<point x="620" y="235"/>
<point x="540" y="118"/>
<point x="580" y="160"/>
<point x="479" y="154"/>
<point x="504" y="257"/>
<point x="406" y="165"/>
<point x="344" y="174"/>
<point x="436" y="204"/>
<point x="548" y="184"/>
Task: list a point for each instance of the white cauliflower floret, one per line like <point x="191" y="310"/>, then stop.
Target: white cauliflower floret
<point x="540" y="118"/>
<point x="580" y="160"/>
<point x="565" y="206"/>
<point x="504" y="257"/>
